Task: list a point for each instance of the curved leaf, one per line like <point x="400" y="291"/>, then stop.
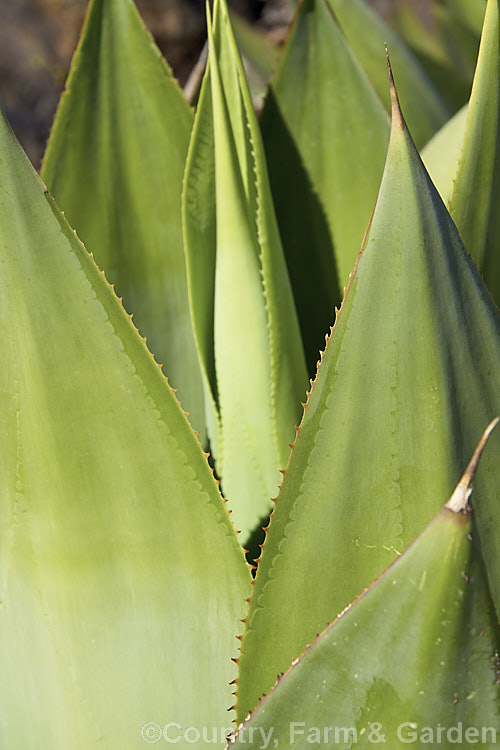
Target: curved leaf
<point x="121" y="578"/>
<point x="409" y="379"/>
<point x="242" y="303"/>
<point x="478" y="220"/>
<point x="411" y="661"/>
<point x="325" y="134"/>
<point x="115" y="164"/>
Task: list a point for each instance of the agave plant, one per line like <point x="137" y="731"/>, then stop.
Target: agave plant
<point x="128" y="612"/>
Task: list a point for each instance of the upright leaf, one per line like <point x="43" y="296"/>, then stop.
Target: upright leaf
<point x="121" y="579"/>
<point x="408" y="381"/>
<point x="326" y="135"/>
<point x="410" y="662"/>
<point x="241" y="300"/>
<point x="367" y="33"/>
<point x="478" y="220"/>
<point x="115" y="164"/>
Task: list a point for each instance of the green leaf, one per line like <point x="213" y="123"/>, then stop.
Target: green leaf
<point x="367" y="33"/>
<point x="445" y="38"/>
<point x="115" y="164"/>
<point x="470" y="13"/>
<point x="408" y="381"/>
<point x="478" y="220"/>
<point x="121" y="578"/>
<point x="414" y="653"/>
<point x="442" y="154"/>
<point x="458" y="24"/>
<point x="242" y="306"/>
<point x="325" y="164"/>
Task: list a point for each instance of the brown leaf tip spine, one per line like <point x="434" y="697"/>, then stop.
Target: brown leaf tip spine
<point x="397" y="116"/>
<point x="458" y="502"/>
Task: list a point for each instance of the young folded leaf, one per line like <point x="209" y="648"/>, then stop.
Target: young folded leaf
<point x="412" y="661"/>
<point x="121" y="579"/>
<point x="367" y="33"/>
<point x="115" y="164"/>
<point x="409" y="378"/>
<point x="325" y="164"/>
<point x="241" y="300"/>
<point x="478" y="220"/>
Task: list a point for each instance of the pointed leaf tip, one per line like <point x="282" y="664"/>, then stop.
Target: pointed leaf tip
<point x="397" y="115"/>
<point x="458" y="502"/>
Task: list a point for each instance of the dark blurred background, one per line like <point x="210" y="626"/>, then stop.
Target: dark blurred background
<point x="38" y="37"/>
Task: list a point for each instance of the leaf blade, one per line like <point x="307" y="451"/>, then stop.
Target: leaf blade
<point x="478" y="170"/>
<point x="367" y="33"/>
<point x="441" y="155"/>
<point x="446" y="42"/>
<point x="324" y="164"/>
<point x="112" y="528"/>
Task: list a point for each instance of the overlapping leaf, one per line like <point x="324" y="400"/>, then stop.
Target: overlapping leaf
<point x="412" y="661"/>
<point x="244" y="317"/>
<point x="121" y="579"/>
<point x="325" y="164"/>
<point x="478" y="220"/>
<point x="115" y="164"/>
<point x="409" y="379"/>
